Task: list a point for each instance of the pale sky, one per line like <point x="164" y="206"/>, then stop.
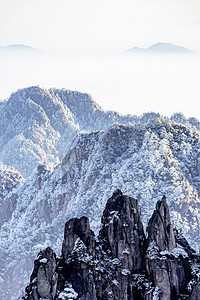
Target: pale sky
<point x="99" y="25"/>
<point x="127" y="85"/>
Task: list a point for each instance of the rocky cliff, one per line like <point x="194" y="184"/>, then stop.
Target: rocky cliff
<point x="10" y="179"/>
<point x="159" y="158"/>
<point x="122" y="262"/>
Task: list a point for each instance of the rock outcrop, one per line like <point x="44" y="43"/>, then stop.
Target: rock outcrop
<point x="122" y="231"/>
<point x="44" y="277"/>
<point x="9" y="180"/>
<point x="160" y="229"/>
<point x="122" y="263"/>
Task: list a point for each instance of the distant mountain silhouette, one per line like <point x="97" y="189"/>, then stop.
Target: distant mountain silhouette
<point x="161" y="48"/>
<point x="19" y="48"/>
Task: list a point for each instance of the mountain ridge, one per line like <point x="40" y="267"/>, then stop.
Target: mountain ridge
<point x="17" y="48"/>
<point x="161" y="48"/>
<point x="37" y="125"/>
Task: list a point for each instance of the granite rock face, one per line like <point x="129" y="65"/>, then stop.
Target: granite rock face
<point x="9" y="180"/>
<point x="43" y="281"/>
<point x="123" y="230"/>
<point x="159" y="227"/>
<point x="121" y="263"/>
<point x="77" y="229"/>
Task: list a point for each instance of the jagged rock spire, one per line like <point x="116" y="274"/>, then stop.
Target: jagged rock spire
<point x="43" y="281"/>
<point x="159" y="228"/>
<point x="77" y="229"/>
<point x="119" y="264"/>
<point x="163" y="272"/>
<point x="123" y="230"/>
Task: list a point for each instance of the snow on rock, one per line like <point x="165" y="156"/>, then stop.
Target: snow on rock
<point x="43" y="260"/>
<point x="32" y="124"/>
<point x="68" y="293"/>
<point x="143" y="161"/>
<point x="10" y="179"/>
<point x="176" y="252"/>
<point x="156" y="293"/>
<point x="37" y="125"/>
<point x="168" y="275"/>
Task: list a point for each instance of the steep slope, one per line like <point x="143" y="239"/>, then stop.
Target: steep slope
<point x="121" y="263"/>
<point x="144" y="161"/>
<point x="38" y="125"/>
<point x="32" y="128"/>
<point x="88" y="114"/>
<point x="10" y="179"/>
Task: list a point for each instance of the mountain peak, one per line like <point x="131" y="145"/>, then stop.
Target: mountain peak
<point x="161" y="48"/>
<point x="17" y="48"/>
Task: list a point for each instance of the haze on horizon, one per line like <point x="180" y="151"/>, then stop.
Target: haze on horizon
<point x="102" y="26"/>
<point x="98" y="31"/>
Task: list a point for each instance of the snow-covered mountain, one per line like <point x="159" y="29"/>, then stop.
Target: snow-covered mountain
<point x="144" y="161"/>
<point x="32" y="123"/>
<point x="9" y="180"/>
<point x="83" y="156"/>
<point x="38" y="125"/>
